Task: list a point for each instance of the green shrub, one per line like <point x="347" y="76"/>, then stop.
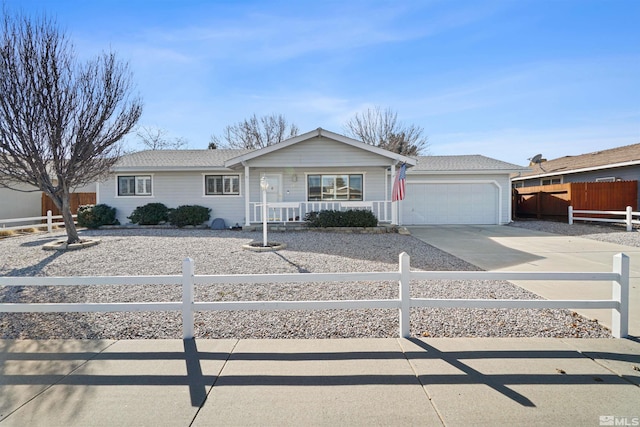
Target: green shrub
<point x="93" y="216"/>
<point x="189" y="215"/>
<point x="348" y="218"/>
<point x="150" y="214"/>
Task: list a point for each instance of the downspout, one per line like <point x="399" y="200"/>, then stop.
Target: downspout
<point x="247" y="195"/>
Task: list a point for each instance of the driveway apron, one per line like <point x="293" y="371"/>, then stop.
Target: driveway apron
<point x="495" y="247"/>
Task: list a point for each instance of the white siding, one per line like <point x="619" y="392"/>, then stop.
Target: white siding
<point x="175" y="189"/>
<point x="319" y="152"/>
<point x="295" y="189"/>
<point x="18" y="204"/>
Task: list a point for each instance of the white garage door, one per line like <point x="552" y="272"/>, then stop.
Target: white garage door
<point x="449" y="203"/>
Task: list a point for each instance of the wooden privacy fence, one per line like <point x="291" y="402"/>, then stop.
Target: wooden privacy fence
<point x="553" y="201"/>
<point x="76" y="199"/>
<point x="619" y="303"/>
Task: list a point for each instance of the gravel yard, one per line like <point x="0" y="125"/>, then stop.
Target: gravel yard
<point x="149" y="252"/>
<point x="612" y="233"/>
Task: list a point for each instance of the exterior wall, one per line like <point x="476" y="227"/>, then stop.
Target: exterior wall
<point x="319" y="152"/>
<point x="502" y="183"/>
<point x="183" y="188"/>
<point x="175" y="189"/>
<point x="295" y="189"/>
<point x="629" y="173"/>
<point x="17" y="204"/>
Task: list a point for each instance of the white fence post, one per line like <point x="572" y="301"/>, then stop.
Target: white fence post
<point x="405" y="295"/>
<point x="49" y="221"/>
<point x="620" y="317"/>
<point x="187" y="298"/>
<point x="629" y="218"/>
<point x="570" y="215"/>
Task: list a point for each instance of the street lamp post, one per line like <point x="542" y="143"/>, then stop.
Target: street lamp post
<point x="264" y="185"/>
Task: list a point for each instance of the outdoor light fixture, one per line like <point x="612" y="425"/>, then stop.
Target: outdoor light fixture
<point x="264" y="184"/>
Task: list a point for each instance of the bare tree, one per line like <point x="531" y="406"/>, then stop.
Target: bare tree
<point x="256" y="132"/>
<point x="60" y="120"/>
<point x="158" y="139"/>
<point x="381" y="128"/>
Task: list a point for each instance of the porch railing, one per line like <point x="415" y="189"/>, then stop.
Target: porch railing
<point x="295" y="211"/>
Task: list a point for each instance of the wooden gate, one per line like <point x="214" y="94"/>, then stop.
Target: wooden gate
<point x="553" y="201"/>
<point x="76" y="199"/>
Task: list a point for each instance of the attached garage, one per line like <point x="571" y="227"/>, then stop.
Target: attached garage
<point x="451" y="203"/>
<point x="457" y="190"/>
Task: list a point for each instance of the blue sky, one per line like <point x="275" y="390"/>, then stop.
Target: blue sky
<point x="507" y="79"/>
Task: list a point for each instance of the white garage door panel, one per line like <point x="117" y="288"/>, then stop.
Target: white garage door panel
<point x="450" y="203"/>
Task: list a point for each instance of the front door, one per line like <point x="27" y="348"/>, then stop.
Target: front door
<point x="274" y="195"/>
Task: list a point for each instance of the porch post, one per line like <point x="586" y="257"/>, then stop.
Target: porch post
<point x="247" y="197"/>
<point x="394" y="205"/>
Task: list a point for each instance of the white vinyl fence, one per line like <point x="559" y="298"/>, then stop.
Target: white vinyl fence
<point x="627" y="215"/>
<point x="619" y="303"/>
<point x="32" y="222"/>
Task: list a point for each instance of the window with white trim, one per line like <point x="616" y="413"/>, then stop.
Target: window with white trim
<point x="549" y="181"/>
<point x="134" y="185"/>
<point x="222" y="185"/>
<point x="606" y="179"/>
<point x="334" y="187"/>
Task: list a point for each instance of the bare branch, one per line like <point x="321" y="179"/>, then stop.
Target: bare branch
<point x="256" y="132"/>
<point x="60" y="121"/>
<point x="158" y="139"/>
<point x="381" y="128"/>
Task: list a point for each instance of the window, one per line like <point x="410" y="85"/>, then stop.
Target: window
<point x="549" y="181"/>
<point x="221" y="185"/>
<point x="334" y="187"/>
<point x="139" y="185"/>
<point x="606" y="179"/>
<point x="517" y="184"/>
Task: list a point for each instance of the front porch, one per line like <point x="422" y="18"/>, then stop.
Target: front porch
<point x="295" y="212"/>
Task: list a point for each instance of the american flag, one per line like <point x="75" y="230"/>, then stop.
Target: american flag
<point x="398" y="184"/>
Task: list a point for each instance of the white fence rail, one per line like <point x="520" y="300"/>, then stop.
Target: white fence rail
<point x="627" y="215"/>
<point x="619" y="303"/>
<point x="33" y="222"/>
<point x="296" y="211"/>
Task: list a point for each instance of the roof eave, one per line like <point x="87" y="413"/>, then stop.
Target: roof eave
<point x="463" y="171"/>
<point x="399" y="158"/>
<point x="572" y="171"/>
<point x="167" y="168"/>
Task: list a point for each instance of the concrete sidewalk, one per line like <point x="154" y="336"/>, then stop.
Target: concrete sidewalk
<point x="499" y="247"/>
<point x="434" y="381"/>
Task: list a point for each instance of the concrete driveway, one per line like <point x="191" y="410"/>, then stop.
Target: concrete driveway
<point x="495" y="247"/>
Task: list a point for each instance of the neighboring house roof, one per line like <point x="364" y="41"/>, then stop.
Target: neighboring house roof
<point x="628" y="155"/>
<point x="177" y="160"/>
<point x="320" y="133"/>
<point x="458" y="164"/>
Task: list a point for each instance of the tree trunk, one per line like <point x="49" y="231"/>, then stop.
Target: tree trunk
<point x="67" y="217"/>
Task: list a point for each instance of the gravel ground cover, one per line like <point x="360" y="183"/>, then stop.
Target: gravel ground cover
<point x="160" y="252"/>
<point x="612" y="233"/>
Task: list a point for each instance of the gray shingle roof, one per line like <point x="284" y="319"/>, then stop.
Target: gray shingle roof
<point x="603" y="158"/>
<point x="464" y="163"/>
<point x="197" y="159"/>
<point x="177" y="159"/>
